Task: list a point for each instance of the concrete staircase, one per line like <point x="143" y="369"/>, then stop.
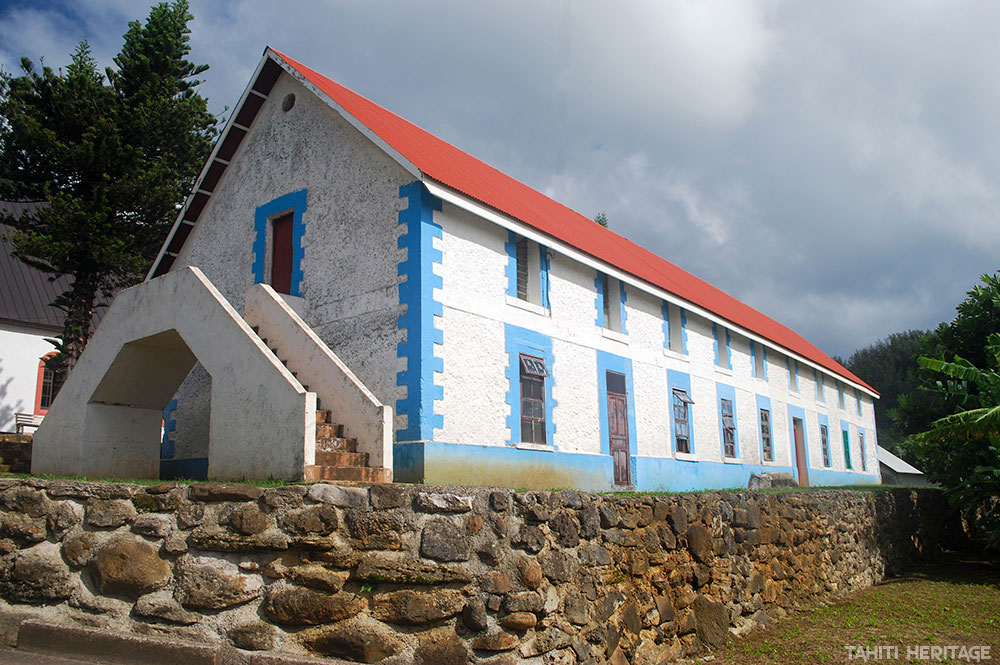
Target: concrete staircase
<point x="337" y="456"/>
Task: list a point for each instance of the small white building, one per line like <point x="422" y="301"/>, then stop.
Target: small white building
<point x="520" y="343"/>
<point x="26" y="321"/>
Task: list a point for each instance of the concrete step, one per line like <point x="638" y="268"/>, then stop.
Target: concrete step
<point x="329" y="458"/>
<point x="329" y="430"/>
<point x="336" y="444"/>
<point x="317" y="472"/>
<point x="323" y="416"/>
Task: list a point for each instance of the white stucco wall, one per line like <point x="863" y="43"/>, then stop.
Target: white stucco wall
<point x="20" y="350"/>
<point x="475" y="409"/>
<point x="350" y="254"/>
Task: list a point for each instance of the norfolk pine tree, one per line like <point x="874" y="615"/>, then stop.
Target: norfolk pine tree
<point x="114" y="158"/>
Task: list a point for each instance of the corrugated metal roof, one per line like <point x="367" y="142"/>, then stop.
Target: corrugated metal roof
<point x="440" y="161"/>
<point x="26" y="291"/>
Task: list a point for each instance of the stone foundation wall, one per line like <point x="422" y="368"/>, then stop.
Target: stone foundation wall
<point x="437" y="576"/>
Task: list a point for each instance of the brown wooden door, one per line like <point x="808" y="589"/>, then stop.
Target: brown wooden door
<point x="800" y="453"/>
<point x="618" y="427"/>
<point x="281" y="254"/>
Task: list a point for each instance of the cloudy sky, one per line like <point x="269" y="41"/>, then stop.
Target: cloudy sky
<point x="833" y="164"/>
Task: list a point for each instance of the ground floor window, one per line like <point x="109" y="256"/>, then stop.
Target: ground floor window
<point x="533" y="373"/>
<point x="765" y="435"/>
<point x="824" y="440"/>
<point x="728" y="428"/>
<point x="682" y="428"/>
<point x="847" y="450"/>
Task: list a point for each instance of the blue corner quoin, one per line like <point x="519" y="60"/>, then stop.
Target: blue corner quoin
<point x="417" y="294"/>
<point x="519" y="340"/>
<point x="295" y="202"/>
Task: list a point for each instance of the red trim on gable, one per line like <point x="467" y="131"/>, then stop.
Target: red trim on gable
<point x="445" y="163"/>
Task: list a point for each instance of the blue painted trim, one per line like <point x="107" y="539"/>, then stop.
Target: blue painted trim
<point x="764" y="402"/>
<point x="764" y="351"/>
<point x="798" y="412"/>
<point x="296" y="203"/>
<point x="609" y="362"/>
<point x="417" y="294"/>
<point x="729" y="351"/>
<point x="680" y="380"/>
<point x="519" y="340"/>
<point x="195" y="468"/>
<point x="724" y="391"/>
<point x="511" y="270"/>
<point x="715" y="343"/>
<point x="623" y="314"/>
<point x="438" y="463"/>
<point x="599" y="301"/>
<point x="665" y="311"/>
<point x="543" y="278"/>
<point x="684" y="332"/>
<point x="824" y="420"/>
<point x="169" y="425"/>
<point x="846" y="447"/>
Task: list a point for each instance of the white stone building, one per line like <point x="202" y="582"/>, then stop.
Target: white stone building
<point x="519" y="343"/>
<point x="27" y="321"/>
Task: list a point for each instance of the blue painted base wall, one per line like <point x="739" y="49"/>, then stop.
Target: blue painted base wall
<point x="436" y="463"/>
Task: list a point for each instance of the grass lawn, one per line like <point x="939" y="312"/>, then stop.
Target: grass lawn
<point x="955" y="601"/>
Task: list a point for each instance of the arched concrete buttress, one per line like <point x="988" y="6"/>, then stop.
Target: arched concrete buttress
<point x="106" y="420"/>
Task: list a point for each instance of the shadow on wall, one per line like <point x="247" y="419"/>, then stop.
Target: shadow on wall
<point x="7" y="410"/>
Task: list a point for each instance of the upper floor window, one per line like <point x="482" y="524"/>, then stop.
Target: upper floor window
<point x="728" y="428"/>
<point x="674" y="328"/>
<point x="611" y="303"/>
<point x="820" y="385"/>
<point x="857" y="396"/>
<point x="45" y="388"/>
<point x="824" y="440"/>
<point x="533" y="373"/>
<point x="723" y="352"/>
<point x="793" y="375"/>
<point x="840" y="395"/>
<point x="527" y="270"/>
<point x="682" y="423"/>
<point x="758" y="353"/>
<point x="765" y="435"/>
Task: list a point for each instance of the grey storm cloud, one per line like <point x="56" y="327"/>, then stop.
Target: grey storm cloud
<point x="833" y="164"/>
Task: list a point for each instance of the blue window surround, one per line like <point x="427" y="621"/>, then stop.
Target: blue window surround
<point x="680" y="380"/>
<point x="797" y="412"/>
<point x="417" y="293"/>
<point x="724" y="391"/>
<point x="519" y="340"/>
<point x="845" y="427"/>
<point x="824" y="420"/>
<point x="684" y="333"/>
<point x="765" y="403"/>
<point x="665" y="311"/>
<point x="857" y="396"/>
<point x="296" y="203"/>
<point x="599" y="303"/>
<point x="753" y="354"/>
<point x="511" y="270"/>
<point x="169" y="425"/>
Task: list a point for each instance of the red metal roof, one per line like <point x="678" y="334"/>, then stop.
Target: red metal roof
<point x="450" y="166"/>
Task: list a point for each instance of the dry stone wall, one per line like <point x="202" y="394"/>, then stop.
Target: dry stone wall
<point x="437" y="576"/>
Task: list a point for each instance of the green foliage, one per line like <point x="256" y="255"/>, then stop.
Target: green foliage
<point x="602" y="219"/>
<point x="961" y="451"/>
<point x="966" y="337"/>
<point x="114" y="158"/>
<point x="890" y="366"/>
